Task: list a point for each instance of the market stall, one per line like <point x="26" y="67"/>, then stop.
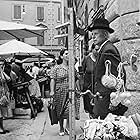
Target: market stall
<point x="114" y="127"/>
<point x="22" y="89"/>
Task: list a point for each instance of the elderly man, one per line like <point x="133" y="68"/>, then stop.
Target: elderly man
<point x="106" y="51"/>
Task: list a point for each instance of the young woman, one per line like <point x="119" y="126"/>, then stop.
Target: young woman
<point x="59" y="87"/>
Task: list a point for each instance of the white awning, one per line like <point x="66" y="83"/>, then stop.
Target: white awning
<point x="15" y="47"/>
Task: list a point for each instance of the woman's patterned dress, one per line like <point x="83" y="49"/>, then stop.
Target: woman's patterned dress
<point x="60" y="75"/>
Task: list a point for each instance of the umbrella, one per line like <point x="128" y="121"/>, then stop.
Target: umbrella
<point x="12" y="30"/>
<point x="15" y="47"/>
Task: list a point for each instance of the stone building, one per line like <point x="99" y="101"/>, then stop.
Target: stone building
<point x="46" y="13"/>
<point x="123" y="16"/>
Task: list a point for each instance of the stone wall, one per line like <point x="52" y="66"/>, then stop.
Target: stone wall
<point x="123" y="16"/>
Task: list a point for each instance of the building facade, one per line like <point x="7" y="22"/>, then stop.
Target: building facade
<point x="43" y="13"/>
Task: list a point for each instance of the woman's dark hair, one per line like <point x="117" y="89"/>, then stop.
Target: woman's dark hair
<point x="62" y="51"/>
<point x="60" y="60"/>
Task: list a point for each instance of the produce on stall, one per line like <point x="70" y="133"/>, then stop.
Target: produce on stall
<point x="111" y="128"/>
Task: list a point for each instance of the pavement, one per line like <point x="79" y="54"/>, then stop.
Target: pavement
<point x="24" y="128"/>
<point x="52" y="132"/>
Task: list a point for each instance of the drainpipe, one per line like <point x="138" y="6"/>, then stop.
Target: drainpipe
<point x="62" y="9"/>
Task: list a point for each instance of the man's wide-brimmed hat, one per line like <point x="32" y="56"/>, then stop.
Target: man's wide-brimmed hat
<point x="101" y="23"/>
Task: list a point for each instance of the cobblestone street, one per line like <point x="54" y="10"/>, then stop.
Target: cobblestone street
<point x="24" y="128"/>
<point x="51" y="132"/>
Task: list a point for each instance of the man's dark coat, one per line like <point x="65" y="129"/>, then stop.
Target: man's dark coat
<point x="107" y="52"/>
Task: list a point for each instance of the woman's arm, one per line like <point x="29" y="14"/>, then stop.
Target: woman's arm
<point x="52" y="86"/>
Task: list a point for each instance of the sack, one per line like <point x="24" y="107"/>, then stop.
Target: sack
<point x="4" y="101"/>
<point x="52" y="113"/>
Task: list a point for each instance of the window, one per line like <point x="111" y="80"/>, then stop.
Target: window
<point x="40" y="13"/>
<point x="59" y="14"/>
<point x="17" y="12"/>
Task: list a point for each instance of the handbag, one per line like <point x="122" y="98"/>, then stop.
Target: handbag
<point x="52" y="113"/>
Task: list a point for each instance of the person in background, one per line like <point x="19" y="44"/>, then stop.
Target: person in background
<point x="12" y="75"/>
<point x="42" y="71"/>
<point x="33" y="86"/>
<point x="88" y="66"/>
<point x="106" y="51"/>
<point x="3" y="91"/>
<point x="29" y="71"/>
<point x="59" y="89"/>
<point x="15" y="67"/>
<point x="35" y="70"/>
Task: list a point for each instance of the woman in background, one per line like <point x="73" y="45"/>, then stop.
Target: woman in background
<point x="4" y="91"/>
<point x="88" y="65"/>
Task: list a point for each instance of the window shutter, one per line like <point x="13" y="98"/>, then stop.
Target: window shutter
<point x="17" y="12"/>
<point x="40" y="13"/>
<point x="59" y="14"/>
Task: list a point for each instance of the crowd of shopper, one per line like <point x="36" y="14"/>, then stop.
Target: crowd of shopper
<point x="13" y="73"/>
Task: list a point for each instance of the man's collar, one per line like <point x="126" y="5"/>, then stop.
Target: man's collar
<point x="102" y="45"/>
